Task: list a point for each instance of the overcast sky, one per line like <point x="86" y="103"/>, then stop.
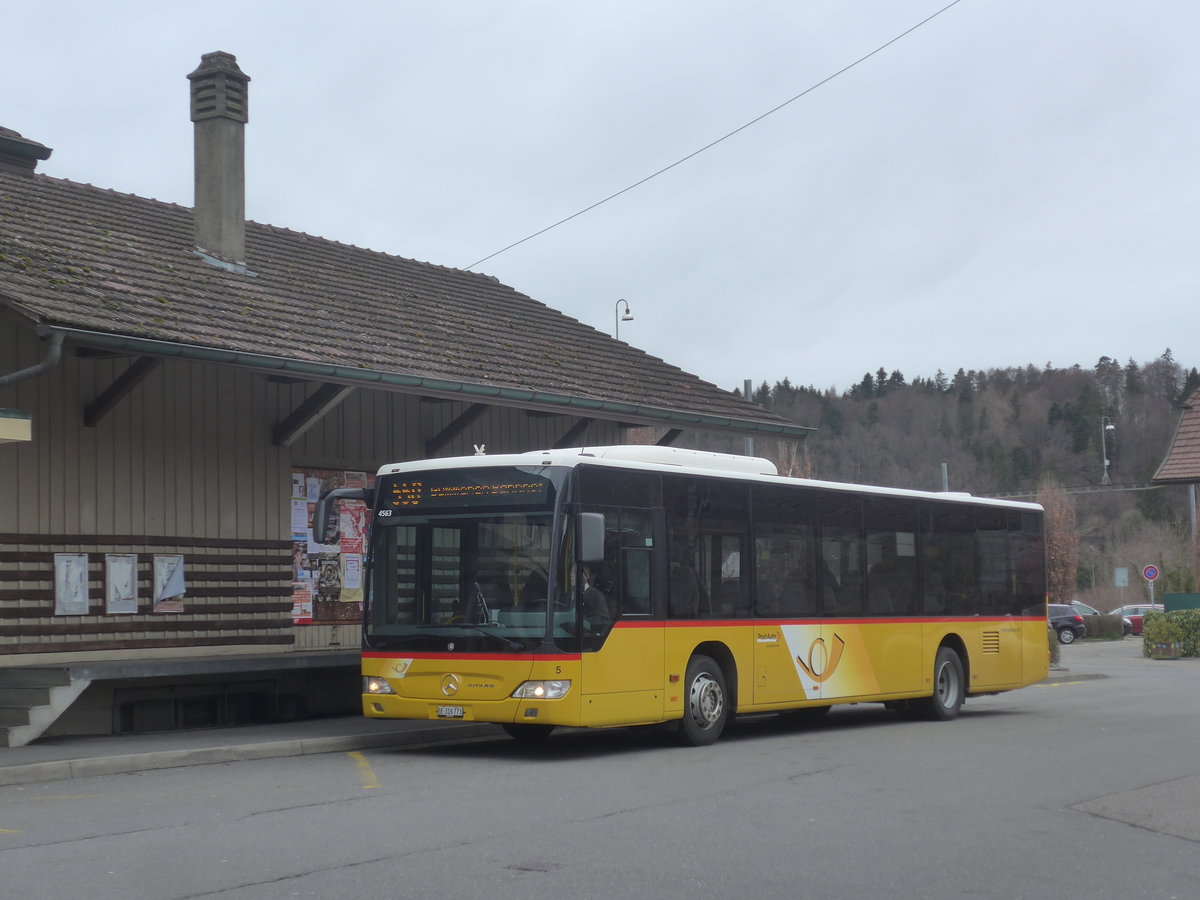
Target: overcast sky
<point x="1017" y="181"/>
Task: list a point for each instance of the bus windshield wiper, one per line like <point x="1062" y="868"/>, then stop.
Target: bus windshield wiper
<point x="509" y="642"/>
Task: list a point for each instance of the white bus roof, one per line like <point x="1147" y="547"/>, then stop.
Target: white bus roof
<point x="651" y="457"/>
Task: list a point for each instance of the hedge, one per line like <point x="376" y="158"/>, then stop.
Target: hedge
<point x="1182" y="625"/>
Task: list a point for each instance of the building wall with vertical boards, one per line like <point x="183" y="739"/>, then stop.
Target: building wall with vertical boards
<point x="185" y="465"/>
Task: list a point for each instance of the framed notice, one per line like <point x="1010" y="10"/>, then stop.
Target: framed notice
<point x="168" y="584"/>
<point x="70" y="584"/>
<point x="120" y="583"/>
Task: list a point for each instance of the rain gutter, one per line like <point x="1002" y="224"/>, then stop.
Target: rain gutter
<point x="439" y="387"/>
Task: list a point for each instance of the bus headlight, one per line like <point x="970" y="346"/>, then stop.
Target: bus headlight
<point x="376" y="686"/>
<point x="542" y="690"/>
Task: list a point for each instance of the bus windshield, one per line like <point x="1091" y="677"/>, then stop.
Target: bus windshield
<point x="477" y="578"/>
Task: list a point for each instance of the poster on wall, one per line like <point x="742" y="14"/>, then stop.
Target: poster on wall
<point x="168" y="584"/>
<point x="327" y="578"/>
<point x="70" y="584"/>
<point x="120" y="583"/>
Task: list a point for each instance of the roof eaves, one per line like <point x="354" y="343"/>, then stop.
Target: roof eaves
<point x="563" y="403"/>
<point x="1184" y="452"/>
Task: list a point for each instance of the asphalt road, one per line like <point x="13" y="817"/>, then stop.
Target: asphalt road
<point x="1085" y="788"/>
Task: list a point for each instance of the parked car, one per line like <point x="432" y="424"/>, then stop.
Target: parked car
<point x="1134" y="613"/>
<point x="1066" y="621"/>
<point x="1085" y="610"/>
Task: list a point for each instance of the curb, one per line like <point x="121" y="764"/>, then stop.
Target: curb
<point x="66" y="769"/>
<point x="1060" y="676"/>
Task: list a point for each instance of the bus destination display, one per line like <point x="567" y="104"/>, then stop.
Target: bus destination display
<point x="435" y="490"/>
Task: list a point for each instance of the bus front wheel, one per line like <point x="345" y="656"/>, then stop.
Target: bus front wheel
<point x="949" y="687"/>
<point x="707" y="706"/>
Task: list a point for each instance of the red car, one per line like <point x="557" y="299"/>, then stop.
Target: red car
<point x="1134" y="613"/>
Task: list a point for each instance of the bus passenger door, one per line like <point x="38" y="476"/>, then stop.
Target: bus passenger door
<point x="623" y="678"/>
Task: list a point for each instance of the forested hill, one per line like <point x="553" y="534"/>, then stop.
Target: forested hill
<point x="999" y="430"/>
<point x="1009" y="430"/>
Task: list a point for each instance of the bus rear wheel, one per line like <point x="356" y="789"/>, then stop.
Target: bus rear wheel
<point x="706" y="706"/>
<point x="949" y="688"/>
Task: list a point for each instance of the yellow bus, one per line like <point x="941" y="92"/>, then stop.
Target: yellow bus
<point x="630" y="585"/>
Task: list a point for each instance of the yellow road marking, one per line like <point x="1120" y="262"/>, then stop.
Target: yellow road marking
<point x="1051" y="684"/>
<point x="364" y="770"/>
<point x="11" y="831"/>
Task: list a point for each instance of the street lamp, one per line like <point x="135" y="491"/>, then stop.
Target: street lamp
<point x="1106" y="427"/>
<point x="619" y="317"/>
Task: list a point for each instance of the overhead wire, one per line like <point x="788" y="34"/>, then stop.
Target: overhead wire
<point x="723" y="137"/>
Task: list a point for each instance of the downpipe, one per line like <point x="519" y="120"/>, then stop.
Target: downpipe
<point x="53" y="356"/>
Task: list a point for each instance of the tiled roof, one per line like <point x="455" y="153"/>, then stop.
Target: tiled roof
<point x="94" y="260"/>
<point x="1183" y="459"/>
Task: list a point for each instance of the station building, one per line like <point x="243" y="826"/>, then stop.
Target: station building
<point x="176" y="387"/>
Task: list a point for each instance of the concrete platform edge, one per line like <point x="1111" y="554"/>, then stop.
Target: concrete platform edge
<point x="66" y="769"/>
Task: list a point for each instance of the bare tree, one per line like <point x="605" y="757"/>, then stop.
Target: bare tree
<point x="1062" y="541"/>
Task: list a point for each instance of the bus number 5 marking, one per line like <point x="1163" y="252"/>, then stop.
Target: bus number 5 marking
<point x="815" y="660"/>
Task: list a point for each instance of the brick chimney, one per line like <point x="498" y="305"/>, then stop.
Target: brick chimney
<point x="18" y="154"/>
<point x="219" y="111"/>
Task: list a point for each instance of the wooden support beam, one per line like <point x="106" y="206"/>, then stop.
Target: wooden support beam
<point x="308" y="413"/>
<point x="576" y="431"/>
<point x="115" y="392"/>
<point x="669" y="438"/>
<point x="455" y="428"/>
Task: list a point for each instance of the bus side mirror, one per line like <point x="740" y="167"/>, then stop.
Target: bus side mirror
<point x="589" y="537"/>
<point x="325" y="514"/>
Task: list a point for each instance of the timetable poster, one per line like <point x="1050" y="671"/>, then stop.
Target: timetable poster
<point x="168" y="584"/>
<point x="70" y="584"/>
<point x="120" y="583"/>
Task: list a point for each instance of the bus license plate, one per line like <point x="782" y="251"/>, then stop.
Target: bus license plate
<point x="450" y="712"/>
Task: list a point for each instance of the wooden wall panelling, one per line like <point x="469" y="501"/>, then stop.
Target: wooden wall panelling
<point x="150" y="423"/>
<point x="238" y="592"/>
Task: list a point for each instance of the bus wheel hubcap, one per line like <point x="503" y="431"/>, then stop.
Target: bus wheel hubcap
<point x="706" y="700"/>
<point x="946" y="687"/>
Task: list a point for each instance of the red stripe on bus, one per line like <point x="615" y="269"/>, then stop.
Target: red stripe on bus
<point x="862" y="620"/>
<point x="530" y="657"/>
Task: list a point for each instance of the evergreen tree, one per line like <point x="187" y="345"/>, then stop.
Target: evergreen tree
<point x="1190" y="385"/>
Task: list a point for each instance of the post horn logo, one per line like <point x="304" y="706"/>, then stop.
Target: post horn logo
<point x="821" y="665"/>
<point x="450" y="685"/>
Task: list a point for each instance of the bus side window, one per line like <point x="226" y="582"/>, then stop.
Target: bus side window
<point x="842" y="553"/>
<point x="732" y="588"/>
<point x="626" y="574"/>
<point x="707" y="535"/>
<point x="688" y="596"/>
<point x="891" y="527"/>
<point x="785" y="551"/>
<point x="635" y="580"/>
<point x="948" y="560"/>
